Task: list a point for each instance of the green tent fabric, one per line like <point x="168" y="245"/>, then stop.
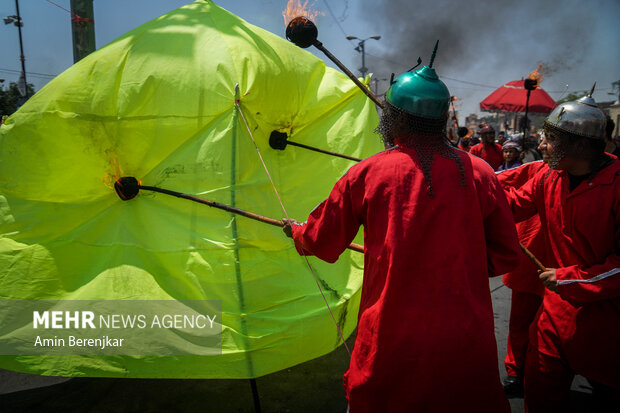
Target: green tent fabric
<point x="158" y="104"/>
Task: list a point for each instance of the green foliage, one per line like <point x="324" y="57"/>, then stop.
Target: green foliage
<point x="11" y="99"/>
<point x="487" y="119"/>
<point x="572" y="96"/>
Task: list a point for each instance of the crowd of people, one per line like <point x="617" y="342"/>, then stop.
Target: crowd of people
<point x="438" y="221"/>
<point x="513" y="149"/>
<point x="501" y="152"/>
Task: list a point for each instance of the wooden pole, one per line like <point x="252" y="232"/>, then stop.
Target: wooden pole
<point x="82" y="28"/>
<point x="255" y="396"/>
<point x="312" y="148"/>
<point x="351" y="76"/>
<point x="531" y="256"/>
<point x="247" y="214"/>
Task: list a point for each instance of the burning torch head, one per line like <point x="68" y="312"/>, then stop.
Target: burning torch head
<point x="302" y="32"/>
<point x="127" y="187"/>
<point x="530" y="84"/>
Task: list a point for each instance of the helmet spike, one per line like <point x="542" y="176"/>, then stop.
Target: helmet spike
<point x="434" y="53"/>
<point x="592" y="90"/>
<point x="419" y="63"/>
<point x="581" y="117"/>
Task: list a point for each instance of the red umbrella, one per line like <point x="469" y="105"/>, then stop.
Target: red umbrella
<point x="512" y="97"/>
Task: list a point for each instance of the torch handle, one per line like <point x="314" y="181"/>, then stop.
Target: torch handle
<point x="247" y="214"/>
<point x="214" y="204"/>
<point x="456" y="118"/>
<point x="312" y="148"/>
<point x="525" y="120"/>
<point x="342" y="67"/>
<point x="533" y="258"/>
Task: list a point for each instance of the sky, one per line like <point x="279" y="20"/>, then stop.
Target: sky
<point x="483" y="43"/>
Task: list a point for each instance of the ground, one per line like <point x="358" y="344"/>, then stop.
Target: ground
<point x="315" y="386"/>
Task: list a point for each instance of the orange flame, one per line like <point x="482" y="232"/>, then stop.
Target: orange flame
<point x="111" y="177"/>
<point x="294" y="8"/>
<point x="536" y="75"/>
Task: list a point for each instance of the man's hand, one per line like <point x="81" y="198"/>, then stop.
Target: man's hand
<point x="548" y="279"/>
<point x="287" y="228"/>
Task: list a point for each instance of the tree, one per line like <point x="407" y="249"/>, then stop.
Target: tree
<point x="11" y="99"/>
<point x="572" y="96"/>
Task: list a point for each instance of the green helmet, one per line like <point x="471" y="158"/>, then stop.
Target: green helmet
<point x="420" y="93"/>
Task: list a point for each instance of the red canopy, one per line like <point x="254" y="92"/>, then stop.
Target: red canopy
<point x="511" y="97"/>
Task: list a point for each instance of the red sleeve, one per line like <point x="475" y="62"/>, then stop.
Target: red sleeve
<point x="599" y="282"/>
<point x="522" y="200"/>
<point x="331" y="226"/>
<point x="517" y="177"/>
<point x="503" y="252"/>
<point x="584" y="285"/>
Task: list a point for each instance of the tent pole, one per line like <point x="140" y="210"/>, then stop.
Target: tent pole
<point x="255" y="396"/>
<point x="526" y="128"/>
<point x="235" y="238"/>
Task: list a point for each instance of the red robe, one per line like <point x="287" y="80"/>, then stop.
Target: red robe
<point x="425" y="339"/>
<point x="524" y="278"/>
<point x="527" y="289"/>
<point x="491" y="153"/>
<point x="581" y="324"/>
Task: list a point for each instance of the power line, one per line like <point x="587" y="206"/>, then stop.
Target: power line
<point x="35" y="74"/>
<point x="443" y="77"/>
<point x="331" y="12"/>
<point x="470" y="83"/>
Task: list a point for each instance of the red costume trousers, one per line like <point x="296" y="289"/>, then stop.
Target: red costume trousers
<point x="547" y="383"/>
<point x="523" y="311"/>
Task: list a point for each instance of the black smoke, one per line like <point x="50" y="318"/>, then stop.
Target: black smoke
<point x="483" y="35"/>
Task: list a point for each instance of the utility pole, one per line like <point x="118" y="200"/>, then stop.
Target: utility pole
<point x="17" y="21"/>
<point x="361" y="49"/>
<point x="616" y="85"/>
<point x="82" y="28"/>
<point x="375" y="83"/>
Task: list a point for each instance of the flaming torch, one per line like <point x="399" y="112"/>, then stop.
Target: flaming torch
<point x="455" y="117"/>
<point x="304" y="33"/>
<point x="531" y="83"/>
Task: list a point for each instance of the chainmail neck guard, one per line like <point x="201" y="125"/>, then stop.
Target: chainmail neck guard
<point x="427" y="137"/>
<point x="393" y="119"/>
<point x="564" y="147"/>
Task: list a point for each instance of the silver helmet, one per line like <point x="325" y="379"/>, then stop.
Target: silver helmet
<point x="581" y="117"/>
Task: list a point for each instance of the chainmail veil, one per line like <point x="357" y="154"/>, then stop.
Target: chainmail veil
<point x="564" y="145"/>
<point x="560" y="147"/>
<point x="426" y="136"/>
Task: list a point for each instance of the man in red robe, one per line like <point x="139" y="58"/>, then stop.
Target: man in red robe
<point x="488" y="149"/>
<point x="527" y="289"/>
<point x="577" y="329"/>
<point x="436" y="226"/>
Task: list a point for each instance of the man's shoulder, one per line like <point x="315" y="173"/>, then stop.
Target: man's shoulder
<point x="383" y="156"/>
<point x="476" y="148"/>
<point x="372" y="161"/>
<point x="480" y="164"/>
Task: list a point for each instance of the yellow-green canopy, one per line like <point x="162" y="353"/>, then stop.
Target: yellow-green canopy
<point x="158" y="104"/>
